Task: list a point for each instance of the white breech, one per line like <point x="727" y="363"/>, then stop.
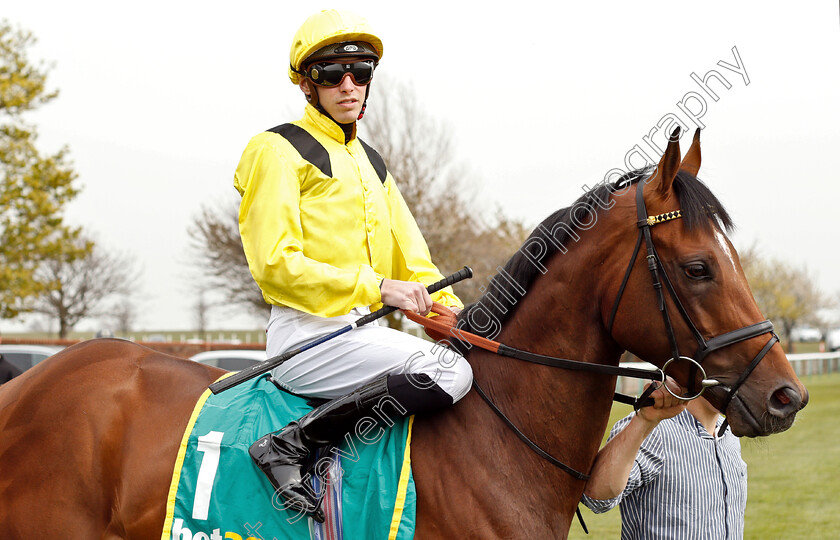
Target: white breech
<point x="345" y="363"/>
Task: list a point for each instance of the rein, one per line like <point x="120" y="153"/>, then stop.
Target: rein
<point x="443" y="331"/>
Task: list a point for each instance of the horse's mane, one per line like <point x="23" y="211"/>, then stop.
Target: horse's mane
<point x="700" y="208"/>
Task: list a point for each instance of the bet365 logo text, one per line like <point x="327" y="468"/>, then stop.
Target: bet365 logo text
<point x="179" y="532"/>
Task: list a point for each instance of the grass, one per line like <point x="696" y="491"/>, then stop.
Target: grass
<point x="794" y="477"/>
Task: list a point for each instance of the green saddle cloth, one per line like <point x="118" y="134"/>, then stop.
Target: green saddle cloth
<point x="218" y="493"/>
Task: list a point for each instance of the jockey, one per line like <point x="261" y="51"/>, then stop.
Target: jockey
<point x="328" y="238"/>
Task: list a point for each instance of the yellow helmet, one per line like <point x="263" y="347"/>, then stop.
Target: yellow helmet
<point x="326" y="28"/>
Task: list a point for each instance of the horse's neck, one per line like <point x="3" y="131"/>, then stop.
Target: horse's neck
<point x="566" y="411"/>
<point x="473" y="456"/>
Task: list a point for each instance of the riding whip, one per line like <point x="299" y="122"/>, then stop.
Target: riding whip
<point x="271" y="363"/>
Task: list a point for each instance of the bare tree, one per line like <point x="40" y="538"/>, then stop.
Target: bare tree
<point x="202" y="315"/>
<point x="420" y="154"/>
<point x="78" y="280"/>
<point x="123" y="313"/>
<point x="220" y="259"/>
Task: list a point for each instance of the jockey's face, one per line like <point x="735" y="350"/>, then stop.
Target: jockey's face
<point x="343" y="101"/>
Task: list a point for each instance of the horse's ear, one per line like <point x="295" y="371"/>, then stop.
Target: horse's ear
<point x="668" y="166"/>
<point x="691" y="161"/>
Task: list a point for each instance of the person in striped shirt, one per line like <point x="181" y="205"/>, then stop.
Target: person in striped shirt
<point x="670" y="474"/>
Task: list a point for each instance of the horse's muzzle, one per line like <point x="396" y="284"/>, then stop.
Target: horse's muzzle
<point x="786" y="401"/>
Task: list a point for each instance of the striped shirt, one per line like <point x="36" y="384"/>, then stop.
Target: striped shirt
<point x="684" y="484"/>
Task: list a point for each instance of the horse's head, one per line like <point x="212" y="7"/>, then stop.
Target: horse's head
<point x="708" y="305"/>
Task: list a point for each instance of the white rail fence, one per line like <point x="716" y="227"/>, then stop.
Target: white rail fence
<point x="803" y="364"/>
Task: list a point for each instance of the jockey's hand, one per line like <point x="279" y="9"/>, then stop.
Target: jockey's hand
<point x="456" y="310"/>
<point x="665" y="405"/>
<point x="408" y="295"/>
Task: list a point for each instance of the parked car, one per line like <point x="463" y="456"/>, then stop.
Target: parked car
<point x="24" y="357"/>
<point x="231" y="360"/>
<point x="832" y="340"/>
<point x="805" y="333"/>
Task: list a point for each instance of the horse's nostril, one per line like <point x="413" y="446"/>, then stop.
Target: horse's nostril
<point x="785" y="401"/>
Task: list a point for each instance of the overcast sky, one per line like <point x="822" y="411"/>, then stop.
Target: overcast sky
<point x="158" y="99"/>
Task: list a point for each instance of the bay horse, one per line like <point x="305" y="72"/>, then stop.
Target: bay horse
<point x="88" y="438"/>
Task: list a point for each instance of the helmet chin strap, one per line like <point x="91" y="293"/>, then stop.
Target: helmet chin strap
<point x="312" y="98"/>
<point x="364" y="105"/>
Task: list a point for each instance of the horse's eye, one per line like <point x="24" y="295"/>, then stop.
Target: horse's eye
<point x="696" y="271"/>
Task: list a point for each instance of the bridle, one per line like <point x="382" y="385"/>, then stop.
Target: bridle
<point x="644" y="222"/>
<point x="657" y="270"/>
<point x="704" y="347"/>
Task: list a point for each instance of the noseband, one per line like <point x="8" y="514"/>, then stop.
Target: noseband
<point x="704" y="347"/>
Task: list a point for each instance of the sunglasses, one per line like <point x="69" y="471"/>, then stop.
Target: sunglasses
<point x="331" y="74"/>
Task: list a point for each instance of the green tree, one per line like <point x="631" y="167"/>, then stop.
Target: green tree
<point x="787" y="295"/>
<point x="35" y="187"/>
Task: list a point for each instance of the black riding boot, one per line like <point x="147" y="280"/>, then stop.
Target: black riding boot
<point x="281" y="455"/>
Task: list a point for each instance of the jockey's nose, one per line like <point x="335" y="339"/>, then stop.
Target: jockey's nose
<point x="346" y="84"/>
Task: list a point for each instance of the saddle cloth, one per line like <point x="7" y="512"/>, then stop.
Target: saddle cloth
<point x="218" y="493"/>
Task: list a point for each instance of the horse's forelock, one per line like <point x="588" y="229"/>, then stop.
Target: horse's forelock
<point x="700" y="207"/>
